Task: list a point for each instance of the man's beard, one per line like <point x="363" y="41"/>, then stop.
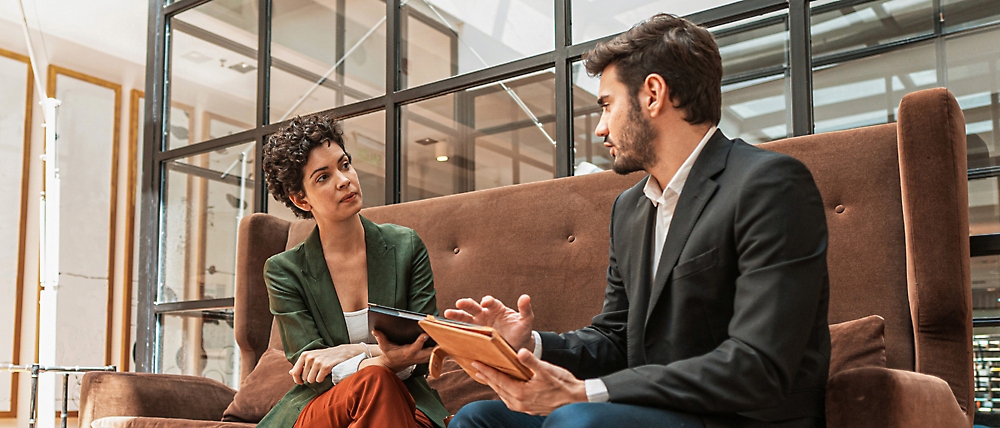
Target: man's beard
<point x="635" y="147"/>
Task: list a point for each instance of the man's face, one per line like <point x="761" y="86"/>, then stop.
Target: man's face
<point x="626" y="131"/>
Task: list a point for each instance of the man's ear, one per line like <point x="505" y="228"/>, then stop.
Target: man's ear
<point x="299" y="199"/>
<point x="657" y="94"/>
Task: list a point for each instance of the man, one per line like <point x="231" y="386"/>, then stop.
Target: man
<point x="715" y="313"/>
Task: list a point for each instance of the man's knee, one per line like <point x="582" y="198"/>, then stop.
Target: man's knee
<point x="478" y="414"/>
<point x="576" y="415"/>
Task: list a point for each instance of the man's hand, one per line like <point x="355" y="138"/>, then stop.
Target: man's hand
<point x="313" y="366"/>
<point x="399" y="357"/>
<point x="513" y="326"/>
<point x="551" y="387"/>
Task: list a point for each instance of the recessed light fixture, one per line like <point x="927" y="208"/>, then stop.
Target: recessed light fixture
<point x="242" y="67"/>
<point x="196" y="57"/>
<point x="426" y="141"/>
<point x="442" y="158"/>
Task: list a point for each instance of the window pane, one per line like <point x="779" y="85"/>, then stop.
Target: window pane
<point x="200" y="344"/>
<point x="973" y="76"/>
<point x="984" y="212"/>
<point x="867" y="91"/>
<point x="840" y="28"/>
<point x="364" y="138"/>
<point x="444" y="38"/>
<point x="962" y="14"/>
<point x="589" y="153"/>
<point x="494" y="135"/>
<point x="755" y="108"/>
<point x="321" y="54"/>
<point x="593" y="19"/>
<point x="213" y="64"/>
<point x="205" y="196"/>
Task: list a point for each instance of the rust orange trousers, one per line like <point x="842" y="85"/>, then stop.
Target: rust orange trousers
<point x="373" y="397"/>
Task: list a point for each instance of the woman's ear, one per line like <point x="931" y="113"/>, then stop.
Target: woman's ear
<point x="299" y="199"/>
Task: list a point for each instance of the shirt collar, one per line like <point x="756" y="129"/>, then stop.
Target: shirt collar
<point x="676" y="184"/>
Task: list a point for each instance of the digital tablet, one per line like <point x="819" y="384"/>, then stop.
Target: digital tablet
<point x="398" y="325"/>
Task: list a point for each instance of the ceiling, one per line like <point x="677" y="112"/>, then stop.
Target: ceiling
<point x="114" y="27"/>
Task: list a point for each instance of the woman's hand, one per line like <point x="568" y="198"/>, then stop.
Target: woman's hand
<point x="315" y="365"/>
<point x="399" y="357"/>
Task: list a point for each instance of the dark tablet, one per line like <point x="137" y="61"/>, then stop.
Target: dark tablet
<point x="398" y="325"/>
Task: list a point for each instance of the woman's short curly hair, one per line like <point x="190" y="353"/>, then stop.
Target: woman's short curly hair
<point x="287" y="151"/>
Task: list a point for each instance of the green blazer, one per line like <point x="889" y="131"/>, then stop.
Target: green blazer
<point x="305" y="304"/>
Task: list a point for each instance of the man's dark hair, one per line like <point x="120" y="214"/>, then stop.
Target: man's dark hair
<point x="684" y="54"/>
<point x="287" y="152"/>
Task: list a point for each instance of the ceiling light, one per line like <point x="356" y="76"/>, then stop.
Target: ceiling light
<point x="242" y="67"/>
<point x="442" y="158"/>
<point x="196" y="57"/>
<point x="426" y="141"/>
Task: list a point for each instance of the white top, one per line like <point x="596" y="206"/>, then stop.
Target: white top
<point x="357" y="330"/>
<point x="665" y="202"/>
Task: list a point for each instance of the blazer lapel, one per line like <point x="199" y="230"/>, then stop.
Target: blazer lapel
<point x="640" y="240"/>
<point x="325" y="307"/>
<point x="381" y="266"/>
<point x="698" y="190"/>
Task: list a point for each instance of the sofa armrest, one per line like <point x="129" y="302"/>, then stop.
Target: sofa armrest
<point x="877" y="397"/>
<point x="152" y="395"/>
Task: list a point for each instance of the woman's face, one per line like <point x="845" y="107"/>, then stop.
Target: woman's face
<point x="332" y="191"/>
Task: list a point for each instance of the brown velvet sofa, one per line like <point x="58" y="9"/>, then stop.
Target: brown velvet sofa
<point x="897" y="208"/>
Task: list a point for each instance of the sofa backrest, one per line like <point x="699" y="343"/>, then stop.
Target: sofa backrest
<point x="898" y="246"/>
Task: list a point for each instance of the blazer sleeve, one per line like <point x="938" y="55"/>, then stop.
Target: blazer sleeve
<point x="600" y="348"/>
<point x="781" y="241"/>
<point x="295" y="323"/>
<point x="421" y="296"/>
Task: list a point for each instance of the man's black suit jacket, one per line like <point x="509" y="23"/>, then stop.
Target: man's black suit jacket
<point x="734" y="325"/>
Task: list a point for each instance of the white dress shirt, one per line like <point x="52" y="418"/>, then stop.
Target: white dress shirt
<point x="665" y="201"/>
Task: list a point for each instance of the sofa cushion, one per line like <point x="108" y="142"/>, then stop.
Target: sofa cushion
<point x="457" y="388"/>
<point x="262" y="389"/>
<point x="856" y="343"/>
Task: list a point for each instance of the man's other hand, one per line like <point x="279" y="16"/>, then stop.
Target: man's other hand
<point x="513" y="326"/>
<point x="551" y="387"/>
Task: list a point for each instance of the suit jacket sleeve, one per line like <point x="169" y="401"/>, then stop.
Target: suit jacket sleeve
<point x="601" y="347"/>
<point x="297" y="327"/>
<point x="780" y="237"/>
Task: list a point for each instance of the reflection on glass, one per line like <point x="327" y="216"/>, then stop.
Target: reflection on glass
<point x="205" y="197"/>
<point x="593" y="19"/>
<point x="867" y="91"/>
<point x="838" y="27"/>
<point x="984" y="206"/>
<point x="200" y="343"/>
<point x="754" y="44"/>
<point x="973" y="72"/>
<point x="446" y="38"/>
<point x="364" y="138"/>
<point x="324" y="51"/>
<point x="86" y="133"/>
<point x="963" y="14"/>
<point x="589" y="153"/>
<point x="213" y="63"/>
<point x="494" y="135"/>
<point x="13" y="98"/>
<point x="755" y="110"/>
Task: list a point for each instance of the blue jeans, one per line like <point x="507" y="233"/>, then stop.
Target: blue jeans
<point x="494" y="414"/>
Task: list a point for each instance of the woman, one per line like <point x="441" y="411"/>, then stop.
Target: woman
<point x="319" y="293"/>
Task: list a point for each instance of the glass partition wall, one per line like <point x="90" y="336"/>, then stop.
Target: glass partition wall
<point x="441" y="97"/>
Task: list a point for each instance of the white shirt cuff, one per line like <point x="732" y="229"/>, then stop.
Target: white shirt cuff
<point x="538" y="344"/>
<point x="597" y="391"/>
<point x="405" y="374"/>
<point x="346" y="368"/>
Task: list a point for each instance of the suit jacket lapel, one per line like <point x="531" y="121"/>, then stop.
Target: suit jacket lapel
<point x="325" y="308"/>
<point x="698" y="190"/>
<point x="640" y="240"/>
<point x="381" y="266"/>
